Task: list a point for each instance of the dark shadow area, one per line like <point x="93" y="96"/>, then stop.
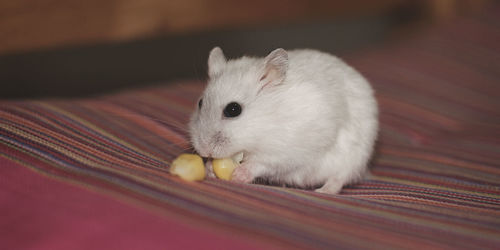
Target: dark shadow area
<point x="89" y="70"/>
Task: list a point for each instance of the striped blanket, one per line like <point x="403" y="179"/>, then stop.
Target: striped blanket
<point x="93" y="173"/>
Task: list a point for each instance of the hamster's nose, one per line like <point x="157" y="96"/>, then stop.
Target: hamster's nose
<point x="205" y="155"/>
<point x="203" y="152"/>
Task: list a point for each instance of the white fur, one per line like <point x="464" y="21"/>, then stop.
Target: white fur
<point x="308" y="118"/>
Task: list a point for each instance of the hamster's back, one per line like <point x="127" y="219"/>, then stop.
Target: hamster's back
<point x="332" y="76"/>
<point x="348" y="106"/>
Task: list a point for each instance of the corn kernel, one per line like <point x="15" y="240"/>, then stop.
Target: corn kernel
<point x="189" y="167"/>
<point x="223" y="168"/>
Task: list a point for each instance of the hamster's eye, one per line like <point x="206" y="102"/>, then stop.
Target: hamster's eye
<point x="200" y="103"/>
<point x="233" y="109"/>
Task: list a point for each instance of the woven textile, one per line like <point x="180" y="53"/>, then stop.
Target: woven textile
<point x="93" y="173"/>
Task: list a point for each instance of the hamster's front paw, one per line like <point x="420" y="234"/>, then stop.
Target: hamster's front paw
<point x="242" y="174"/>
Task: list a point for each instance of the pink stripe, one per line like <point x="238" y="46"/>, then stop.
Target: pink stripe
<point x="70" y="217"/>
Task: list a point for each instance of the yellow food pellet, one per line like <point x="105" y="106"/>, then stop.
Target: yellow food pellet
<point x="189" y="167"/>
<point x="223" y="168"/>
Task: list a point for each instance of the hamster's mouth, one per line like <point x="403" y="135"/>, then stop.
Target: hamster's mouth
<point x="237" y="158"/>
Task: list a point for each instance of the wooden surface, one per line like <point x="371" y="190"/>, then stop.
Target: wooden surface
<point x="32" y="24"/>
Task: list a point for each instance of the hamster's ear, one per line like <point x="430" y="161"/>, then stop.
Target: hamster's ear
<point x="276" y="65"/>
<point x="216" y="61"/>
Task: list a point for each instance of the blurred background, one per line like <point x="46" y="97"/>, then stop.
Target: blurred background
<point x="56" y="48"/>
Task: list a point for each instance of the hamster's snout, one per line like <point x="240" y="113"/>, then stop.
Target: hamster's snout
<point x="202" y="149"/>
<point x="210" y="146"/>
<point x="203" y="153"/>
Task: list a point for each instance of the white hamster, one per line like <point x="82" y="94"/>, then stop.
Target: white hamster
<point x="302" y="118"/>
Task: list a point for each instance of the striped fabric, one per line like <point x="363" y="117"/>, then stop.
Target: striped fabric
<point x="93" y="173"/>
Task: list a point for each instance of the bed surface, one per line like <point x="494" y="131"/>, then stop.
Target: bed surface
<point x="93" y="173"/>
